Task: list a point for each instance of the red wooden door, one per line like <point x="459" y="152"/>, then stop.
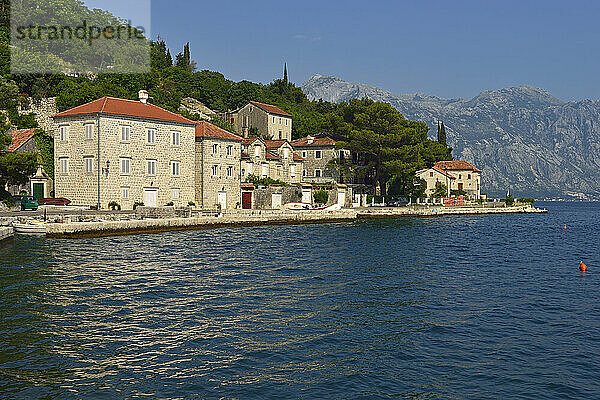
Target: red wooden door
<point x="246" y="200"/>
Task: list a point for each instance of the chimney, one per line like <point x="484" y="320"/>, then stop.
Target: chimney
<point x="310" y="140"/>
<point x="143" y="95"/>
<point x="245" y="132"/>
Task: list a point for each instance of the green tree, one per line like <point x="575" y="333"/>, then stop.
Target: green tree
<point x="390" y="144"/>
<point x="442" y="134"/>
<point x="285" y="74"/>
<point x="441" y="190"/>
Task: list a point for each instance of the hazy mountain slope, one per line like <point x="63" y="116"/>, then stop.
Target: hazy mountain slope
<point x="521" y="137"/>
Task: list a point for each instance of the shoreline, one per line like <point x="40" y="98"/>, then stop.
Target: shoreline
<point x="263" y="218"/>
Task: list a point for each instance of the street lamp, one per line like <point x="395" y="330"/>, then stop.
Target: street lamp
<point x="105" y="170"/>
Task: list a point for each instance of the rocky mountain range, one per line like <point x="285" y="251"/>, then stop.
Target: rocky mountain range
<point x="523" y="138"/>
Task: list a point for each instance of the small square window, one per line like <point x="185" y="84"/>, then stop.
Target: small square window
<point x="175" y="194"/>
<point x="125" y="192"/>
<point x="229" y="171"/>
<point x="303" y="154"/>
<point x="318" y="173"/>
<point x="230" y="150"/>
<point x="215" y="170"/>
<point x="215" y="149"/>
<point x="318" y="154"/>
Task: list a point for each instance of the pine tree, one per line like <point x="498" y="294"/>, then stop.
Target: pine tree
<point x="285" y="74"/>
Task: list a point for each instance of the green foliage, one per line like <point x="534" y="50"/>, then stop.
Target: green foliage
<point x="390" y="144"/>
<point x="441" y="190"/>
<point x="442" y="138"/>
<point x="138" y="204"/>
<point x="113" y="205"/>
<point x="255" y="180"/>
<point x="22" y="121"/>
<point x="509" y="201"/>
<point x="45" y="144"/>
<point x="321" y="196"/>
<point x="223" y="124"/>
<point x="457" y="192"/>
<point x="408" y="186"/>
<point x="527" y="200"/>
<point x="191" y="204"/>
<point x="16" y="168"/>
<point x="170" y="204"/>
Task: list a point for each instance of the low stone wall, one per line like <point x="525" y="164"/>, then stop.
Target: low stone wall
<point x="412" y="211"/>
<point x="263" y="217"/>
<point x="263" y="196"/>
<point x="163" y="212"/>
<point x="239" y="218"/>
<point x="6" y="234"/>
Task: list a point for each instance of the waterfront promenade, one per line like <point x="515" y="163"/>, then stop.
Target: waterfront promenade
<point x="263" y="217"/>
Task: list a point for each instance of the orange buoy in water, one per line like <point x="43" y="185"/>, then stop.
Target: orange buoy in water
<point x="582" y="267"/>
<point x="565" y="227"/>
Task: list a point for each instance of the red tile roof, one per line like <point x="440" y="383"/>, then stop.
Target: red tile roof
<point x="456" y="165"/>
<point x="128" y="108"/>
<point x="249" y="140"/>
<point x="270" y="108"/>
<point x="441" y="171"/>
<point x="208" y="130"/>
<point x="271" y="156"/>
<point x="317" y="141"/>
<point x="274" y="144"/>
<point x="19" y="138"/>
<point x="298" y="158"/>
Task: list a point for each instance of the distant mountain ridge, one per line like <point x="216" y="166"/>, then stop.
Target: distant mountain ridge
<point x="523" y="138"/>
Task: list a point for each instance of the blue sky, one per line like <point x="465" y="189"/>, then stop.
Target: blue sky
<point x="446" y="48"/>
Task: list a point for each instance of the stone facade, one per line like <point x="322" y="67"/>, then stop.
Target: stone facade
<point x="267" y="120"/>
<point x="218" y="173"/>
<point x="456" y="175"/>
<point x="318" y="153"/>
<point x="273" y="159"/>
<point x="43" y="109"/>
<point x="108" y="179"/>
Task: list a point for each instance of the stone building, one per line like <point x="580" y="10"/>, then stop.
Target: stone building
<point x="40" y="185"/>
<point x="318" y="153"/>
<point x="456" y="175"/>
<point x="218" y="167"/>
<point x="274" y="159"/>
<point x="124" y="151"/>
<point x="263" y="120"/>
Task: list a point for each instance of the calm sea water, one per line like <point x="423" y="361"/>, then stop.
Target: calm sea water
<point x="422" y="308"/>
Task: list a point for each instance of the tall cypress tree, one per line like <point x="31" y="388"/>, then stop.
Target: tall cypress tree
<point x="442" y="135"/>
<point x="285" y="75"/>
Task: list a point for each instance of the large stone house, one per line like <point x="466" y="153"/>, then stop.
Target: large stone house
<point x="319" y="153"/>
<point x="130" y="151"/>
<point x="274" y="159"/>
<point x="40" y="185"/>
<point x="218" y="167"/>
<point x="455" y="175"/>
<point x="260" y="119"/>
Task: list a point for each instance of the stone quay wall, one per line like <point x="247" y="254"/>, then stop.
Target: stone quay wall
<point x="6" y="233"/>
